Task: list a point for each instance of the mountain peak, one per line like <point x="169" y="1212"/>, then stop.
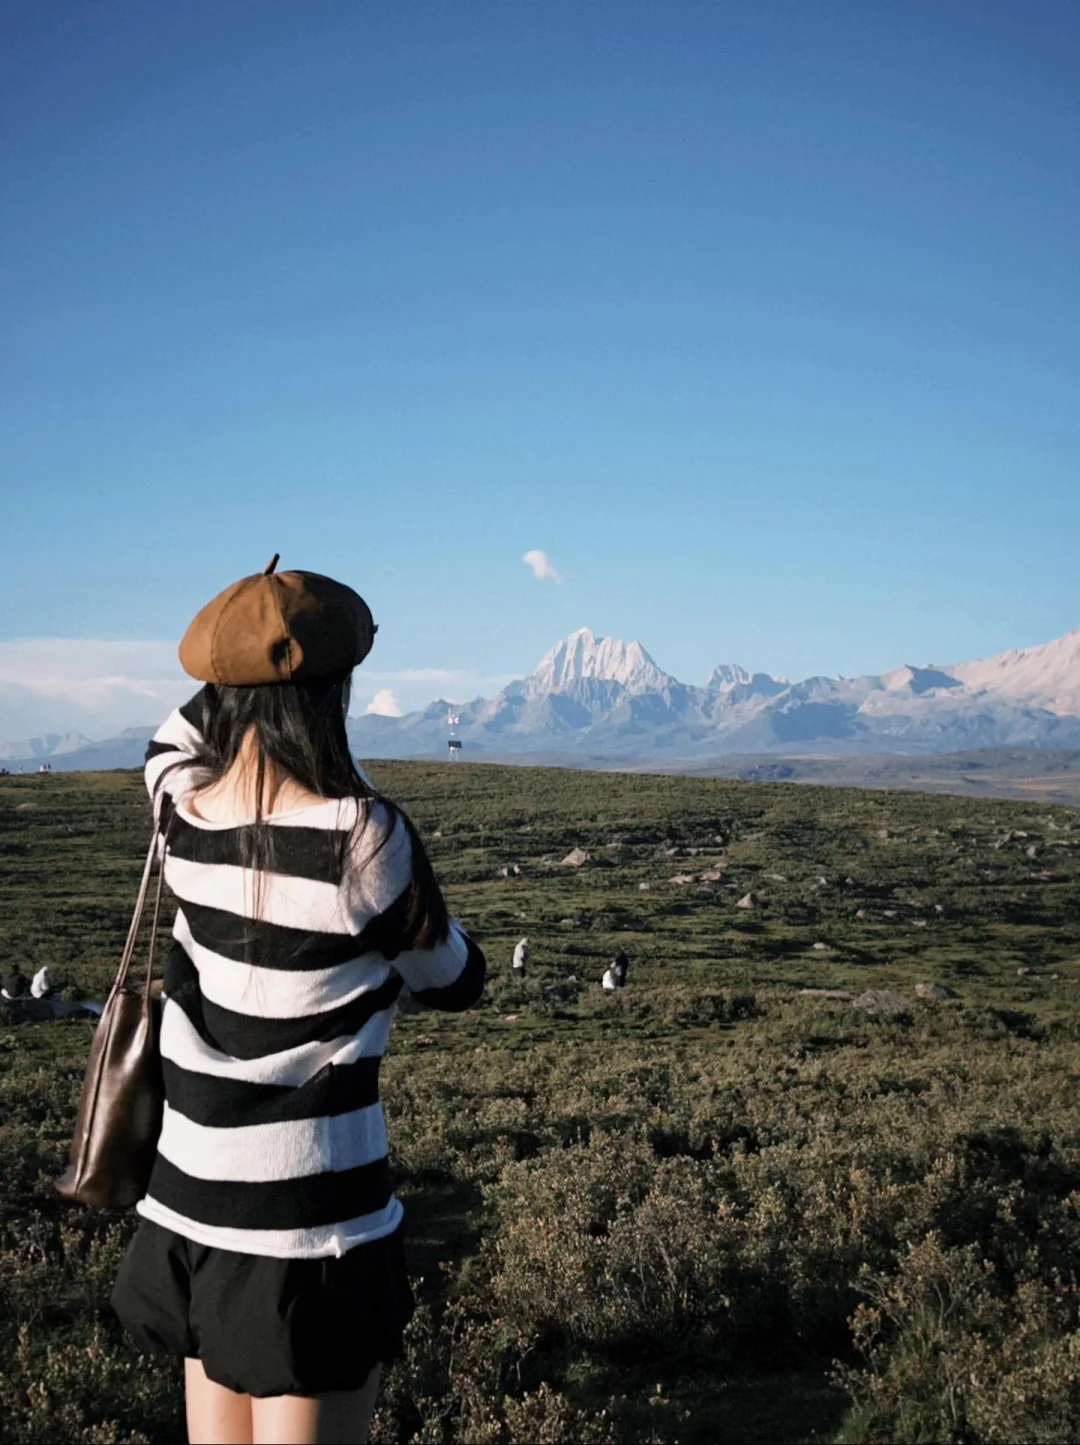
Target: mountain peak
<point x="607" y="659"/>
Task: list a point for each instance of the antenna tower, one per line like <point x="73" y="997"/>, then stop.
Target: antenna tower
<point x="453" y="742"/>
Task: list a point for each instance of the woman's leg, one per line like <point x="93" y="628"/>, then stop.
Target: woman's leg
<point x="215" y="1415"/>
<point x="340" y="1417"/>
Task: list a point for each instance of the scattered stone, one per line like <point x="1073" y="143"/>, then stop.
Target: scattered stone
<point x="842" y="993"/>
<point x="1019" y="833"/>
<point x="820" y="947"/>
<point x="511" y="1018"/>
<point x="1054" y="975"/>
<point x="24" y="807"/>
<point x="437" y="833"/>
<point x="939" y="908"/>
<point x="1032" y="851"/>
<point x="714" y="875"/>
<point x="504" y="873"/>
<point x="823" y="883"/>
<point x="575" y="858"/>
<point x="749" y="900"/>
<point x="935" y="990"/>
<point x="862" y="913"/>
<point x="918" y="923"/>
<point x="670" y="852"/>
<point x="776" y="877"/>
<point x="849" y="882"/>
<point x="1022" y="972"/>
<point x="684" y="878"/>
<point x="567" y="920"/>
<point x="644" y="887"/>
<point x="884" y="833"/>
<point x="889" y="913"/>
<point x="884" y="1002"/>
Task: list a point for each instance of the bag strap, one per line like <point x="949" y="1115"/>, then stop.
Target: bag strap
<point x="159" y="836"/>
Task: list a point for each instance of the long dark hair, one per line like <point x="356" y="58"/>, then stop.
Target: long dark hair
<point x="299" y="730"/>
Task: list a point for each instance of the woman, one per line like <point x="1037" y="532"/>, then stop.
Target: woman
<point x="269" y="1251"/>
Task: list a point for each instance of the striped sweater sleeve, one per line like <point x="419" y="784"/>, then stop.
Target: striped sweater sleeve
<point x="449" y="976"/>
<point x="174" y="744"/>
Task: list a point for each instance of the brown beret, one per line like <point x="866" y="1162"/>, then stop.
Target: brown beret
<point x="278" y="627"/>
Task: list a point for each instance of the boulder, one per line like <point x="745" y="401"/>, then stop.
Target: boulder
<point x="713" y="876"/>
<point x="644" y="887"/>
<point x="575" y="858"/>
<point x="882" y="1002"/>
<point x="820" y="947"/>
<point x="684" y="878"/>
<point x="841" y="993"/>
<point x="935" y="990"/>
<point x="749" y="900"/>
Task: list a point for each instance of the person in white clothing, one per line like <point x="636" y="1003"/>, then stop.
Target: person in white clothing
<point x="42" y="984"/>
<point x="521" y="956"/>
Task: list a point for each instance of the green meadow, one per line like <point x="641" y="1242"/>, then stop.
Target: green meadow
<point x="767" y="1192"/>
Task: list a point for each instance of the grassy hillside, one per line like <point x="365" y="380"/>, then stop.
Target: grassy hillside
<point x="713" y="1206"/>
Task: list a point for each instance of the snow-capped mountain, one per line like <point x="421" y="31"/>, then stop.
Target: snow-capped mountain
<point x="608" y="697"/>
<point x="48" y="745"/>
<point x="581" y="657"/>
<point x="602" y="697"/>
<point x="1045" y="677"/>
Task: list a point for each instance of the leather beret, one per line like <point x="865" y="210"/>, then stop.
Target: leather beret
<point x="278" y="627"/>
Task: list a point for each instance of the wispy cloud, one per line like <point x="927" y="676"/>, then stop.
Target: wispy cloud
<point x="384" y="704"/>
<point x="59" y="683"/>
<point x="543" y="569"/>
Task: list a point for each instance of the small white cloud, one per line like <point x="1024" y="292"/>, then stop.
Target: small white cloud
<point x="384" y="704"/>
<point x="543" y="569"/>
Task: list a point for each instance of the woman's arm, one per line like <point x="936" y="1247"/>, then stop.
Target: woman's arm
<point x="448" y="976"/>
<point x="175" y="743"/>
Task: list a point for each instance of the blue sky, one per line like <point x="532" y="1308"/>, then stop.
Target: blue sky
<point x="759" y="319"/>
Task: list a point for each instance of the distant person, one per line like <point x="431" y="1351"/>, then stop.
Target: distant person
<point x="42" y="985"/>
<point x="521" y="956"/>
<point x="15" y="985"/>
<point x="620" y="966"/>
<point x="269" y="1252"/>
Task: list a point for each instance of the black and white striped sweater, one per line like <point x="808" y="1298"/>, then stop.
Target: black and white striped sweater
<point x="273" y="1140"/>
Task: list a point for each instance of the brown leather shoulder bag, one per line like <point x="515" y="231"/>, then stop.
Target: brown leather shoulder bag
<point x="123" y="1092"/>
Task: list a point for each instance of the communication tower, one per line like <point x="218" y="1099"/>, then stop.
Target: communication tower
<point x="453" y="742"/>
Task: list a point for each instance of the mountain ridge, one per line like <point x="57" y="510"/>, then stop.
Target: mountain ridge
<point x="608" y="697"/>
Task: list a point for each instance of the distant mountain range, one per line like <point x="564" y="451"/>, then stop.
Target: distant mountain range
<point x="607" y="699"/>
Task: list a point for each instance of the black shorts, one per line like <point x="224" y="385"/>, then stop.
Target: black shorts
<point x="266" y="1326"/>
